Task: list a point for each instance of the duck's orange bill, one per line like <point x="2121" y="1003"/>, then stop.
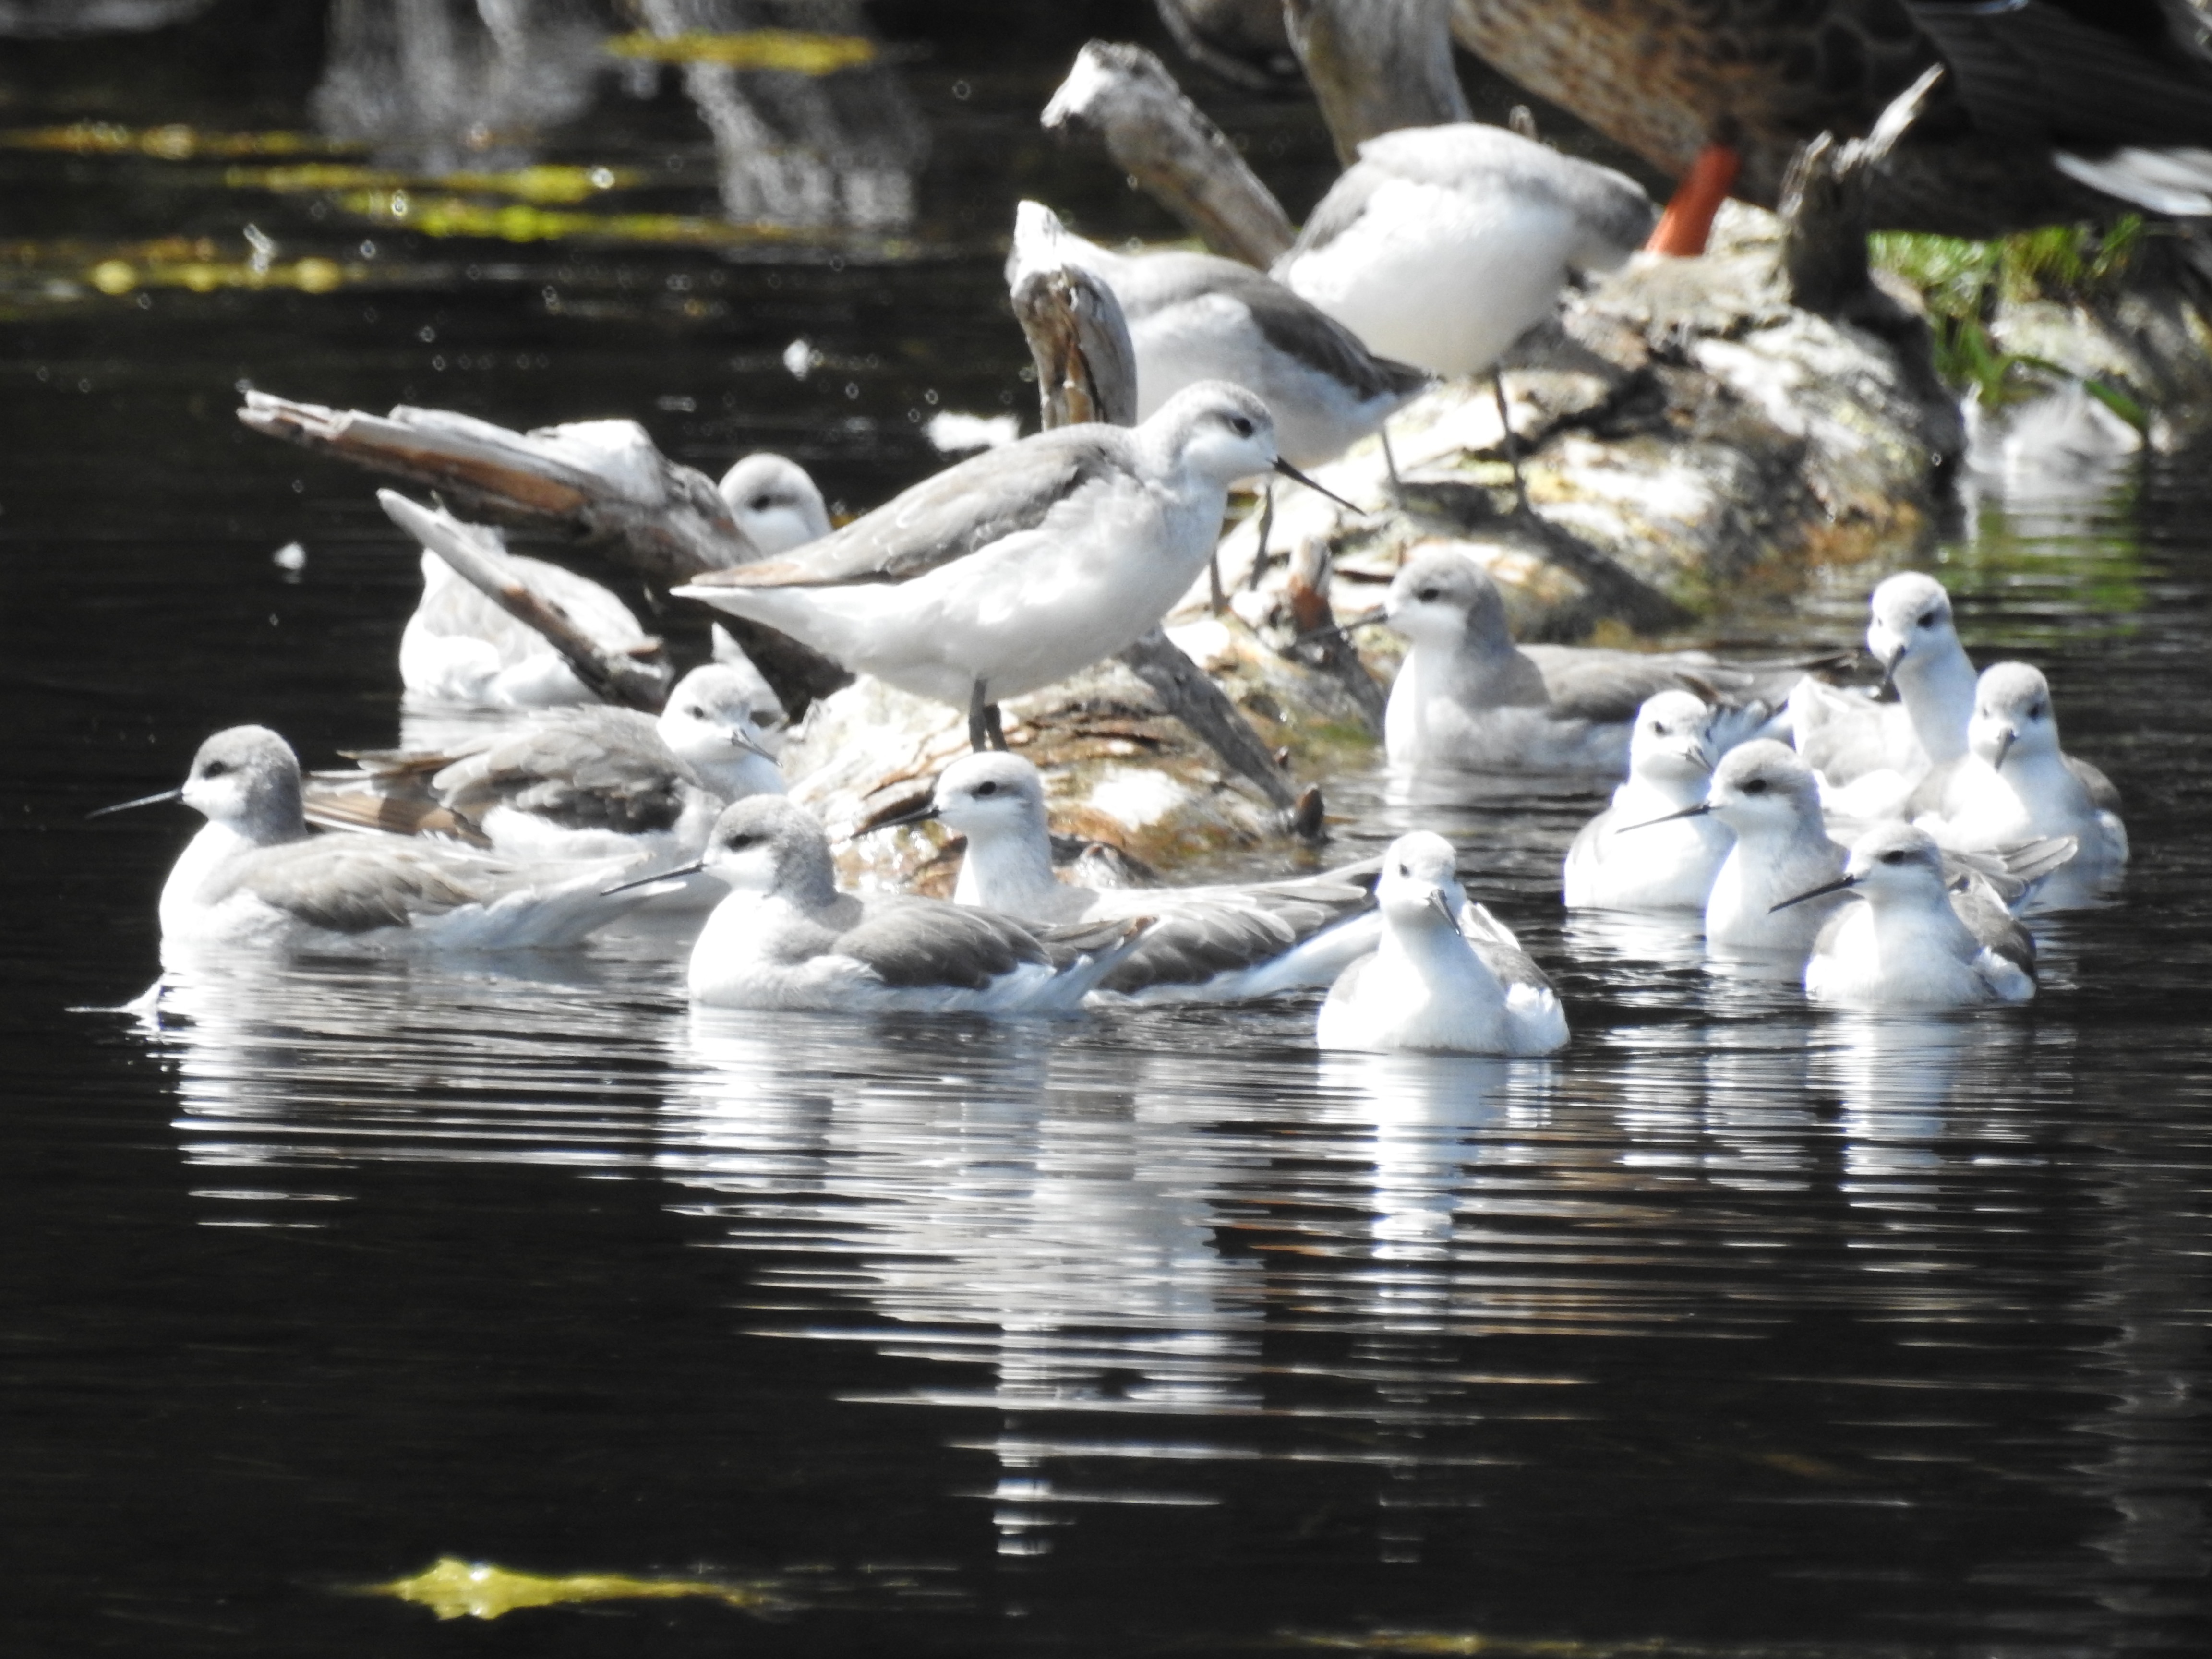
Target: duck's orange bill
<point x="1688" y="219"/>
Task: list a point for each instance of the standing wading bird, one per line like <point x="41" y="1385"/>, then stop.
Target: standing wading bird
<point x="1447" y="977"/>
<point x="2050" y="110"/>
<point x="1197" y="317"/>
<point x="1442" y="245"/>
<point x="255" y="877"/>
<point x="1022" y="565"/>
<point x="1919" y="939"/>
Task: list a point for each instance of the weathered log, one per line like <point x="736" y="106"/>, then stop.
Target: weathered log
<point x="1824" y="208"/>
<point x="1188" y="692"/>
<point x="599" y="479"/>
<point x="1242" y="42"/>
<point x="1086" y="368"/>
<point x="1160" y="138"/>
<point x="477" y="557"/>
<point x="1376" y="65"/>
<point x="1313" y="618"/>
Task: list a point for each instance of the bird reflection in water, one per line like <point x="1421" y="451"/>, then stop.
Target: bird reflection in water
<point x="992" y="1197"/>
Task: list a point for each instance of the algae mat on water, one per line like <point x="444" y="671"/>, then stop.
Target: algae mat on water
<point x="453" y="1588"/>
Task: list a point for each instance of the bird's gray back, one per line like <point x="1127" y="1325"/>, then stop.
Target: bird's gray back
<point x="1298" y="330"/>
<point x="957" y="512"/>
<point x="355" y="884"/>
<point x="910" y="941"/>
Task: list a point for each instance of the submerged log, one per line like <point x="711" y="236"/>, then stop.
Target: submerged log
<point x="478" y="558"/>
<point x="1165" y="142"/>
<point x="603" y="479"/>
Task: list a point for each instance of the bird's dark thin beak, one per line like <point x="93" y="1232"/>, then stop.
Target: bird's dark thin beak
<point x="1836" y="886"/>
<point x="1889" y="671"/>
<point x="1297" y="477"/>
<point x="177" y="793"/>
<point x="1442" y="906"/>
<point x="741" y="738"/>
<point x="690" y="869"/>
<point x="1340" y="630"/>
<point x="1697" y="812"/>
<point x="2004" y="748"/>
<point x="924" y="813"/>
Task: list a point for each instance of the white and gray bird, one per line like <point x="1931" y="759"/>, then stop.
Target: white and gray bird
<point x="1467" y="695"/>
<point x="1195" y="317"/>
<point x="1770" y="801"/>
<point x="1447" y="976"/>
<point x="255" y="877"/>
<point x="1872" y="755"/>
<point x="1919" y="939"/>
<point x="2017" y="785"/>
<point x="785" y="938"/>
<point x="1221" y="943"/>
<point x="1442" y="246"/>
<point x="1022" y="565"/>
<point x="580" y="783"/>
<point x="1640" y="853"/>
<point x="775" y="503"/>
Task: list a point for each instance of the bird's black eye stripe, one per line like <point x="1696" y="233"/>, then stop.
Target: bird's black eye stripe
<point x="215" y="769"/>
<point x="1756" y="786"/>
<point x="696" y="712"/>
<point x="987" y="788"/>
<point x="761" y="503"/>
<point x="1239" y="425"/>
<point x="1892" y="858"/>
<point x="1927" y="619"/>
<point x="1429" y="595"/>
<point x="741" y="841"/>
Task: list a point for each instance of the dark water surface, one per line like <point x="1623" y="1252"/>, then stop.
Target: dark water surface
<point x="1733" y="1330"/>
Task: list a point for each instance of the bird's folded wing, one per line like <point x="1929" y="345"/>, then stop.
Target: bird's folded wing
<point x="2103" y="793"/>
<point x="928" y="942"/>
<point x="1978" y="905"/>
<point x="352" y="885"/>
<point x="329" y="808"/>
<point x="961" y="509"/>
<point x="1500" y="951"/>
<point x="592" y="774"/>
<point x="1190" y="945"/>
<point x="1309" y="335"/>
<point x="1607" y="687"/>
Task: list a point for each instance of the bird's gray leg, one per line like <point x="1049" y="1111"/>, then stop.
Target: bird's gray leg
<point x="1259" y="549"/>
<point x="1512" y="443"/>
<point x="1390" y="461"/>
<point x="994" y="726"/>
<point x="979" y="728"/>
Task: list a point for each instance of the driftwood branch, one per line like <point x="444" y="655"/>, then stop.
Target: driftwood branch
<point x="1192" y="697"/>
<point x="1160" y="138"/>
<point x="1086" y="368"/>
<point x="1824" y="207"/>
<point x="476" y="555"/>
<point x="1314" y="618"/>
<point x="599" y="479"/>
<point x="1376" y="65"/>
